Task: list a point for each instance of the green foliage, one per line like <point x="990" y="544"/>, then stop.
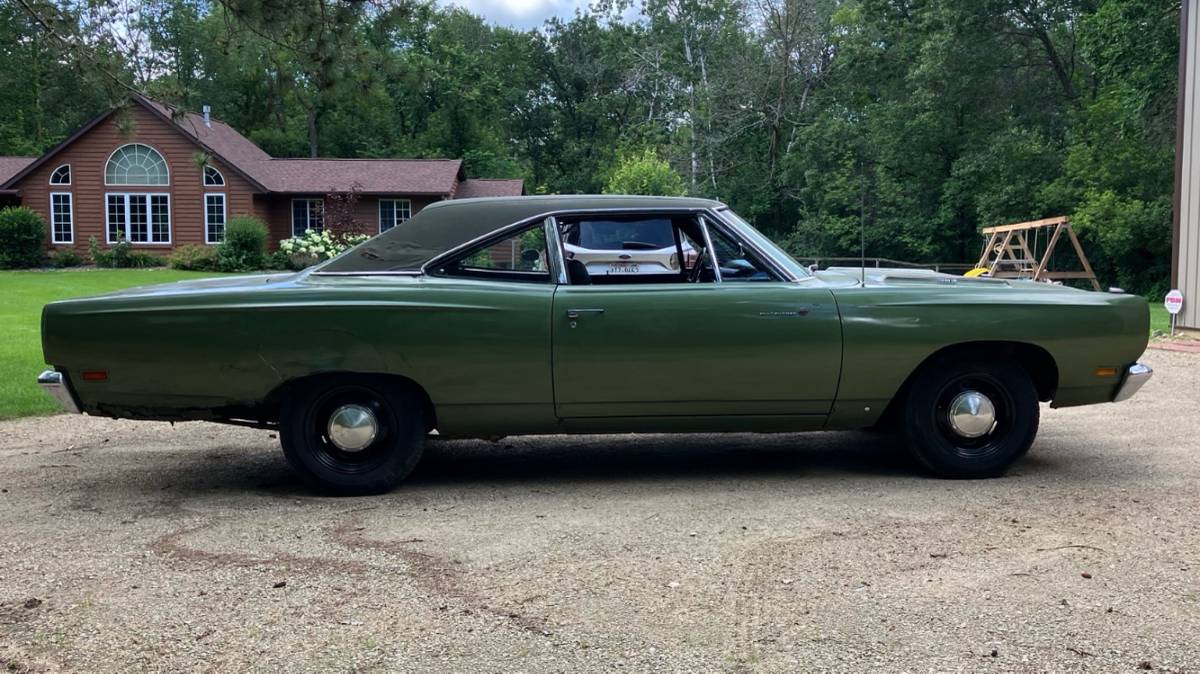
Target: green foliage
<point x="245" y="245"/>
<point x="22" y="238"/>
<point x="645" y="173"/>
<point x="64" y="258"/>
<point x="194" y="257"/>
<point x="918" y="122"/>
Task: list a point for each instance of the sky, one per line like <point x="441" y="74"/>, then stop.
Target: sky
<point x="521" y="14"/>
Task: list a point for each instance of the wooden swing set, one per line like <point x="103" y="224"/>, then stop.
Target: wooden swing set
<point x="1008" y="252"/>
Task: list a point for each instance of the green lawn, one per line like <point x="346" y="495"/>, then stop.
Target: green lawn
<point x="1159" y="318"/>
<point x="22" y="294"/>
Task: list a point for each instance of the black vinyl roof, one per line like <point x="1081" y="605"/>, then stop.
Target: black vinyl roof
<point x="446" y="225"/>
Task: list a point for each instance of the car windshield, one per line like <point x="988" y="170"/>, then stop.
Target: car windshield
<point x="757" y="238"/>
<point x="649" y="234"/>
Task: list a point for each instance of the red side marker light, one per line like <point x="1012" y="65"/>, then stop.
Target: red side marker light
<point x="95" y="375"/>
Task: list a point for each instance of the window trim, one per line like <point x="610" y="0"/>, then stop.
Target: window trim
<point x="394" y="200"/>
<point x="204" y="176"/>
<point x="224" y="216"/>
<point x="70" y="212"/>
<point x="60" y="167"/>
<point x="166" y="166"/>
<point x="307" y="214"/>
<point x="108" y="220"/>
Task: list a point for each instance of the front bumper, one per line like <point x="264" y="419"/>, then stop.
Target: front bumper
<point x="1135" y="377"/>
<point x="55" y="383"/>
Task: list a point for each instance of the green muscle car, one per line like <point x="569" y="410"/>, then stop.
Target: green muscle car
<point x="472" y="319"/>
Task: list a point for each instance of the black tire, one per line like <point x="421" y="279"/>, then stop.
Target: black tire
<point x="392" y="453"/>
<point x="932" y="437"/>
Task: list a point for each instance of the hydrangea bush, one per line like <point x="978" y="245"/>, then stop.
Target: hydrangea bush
<point x="320" y="245"/>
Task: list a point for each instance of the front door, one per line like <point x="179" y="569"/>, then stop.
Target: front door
<point x="748" y="346"/>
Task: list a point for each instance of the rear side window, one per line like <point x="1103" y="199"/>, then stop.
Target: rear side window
<point x="518" y="257"/>
<point x="634" y="234"/>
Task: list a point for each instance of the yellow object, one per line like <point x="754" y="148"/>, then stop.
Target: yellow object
<point x="978" y="271"/>
<point x="1106" y="372"/>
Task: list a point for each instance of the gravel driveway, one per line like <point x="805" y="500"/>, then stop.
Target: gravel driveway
<point x="145" y="546"/>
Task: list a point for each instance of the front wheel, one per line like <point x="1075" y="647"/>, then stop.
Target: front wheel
<point x="352" y="436"/>
<point x="970" y="419"/>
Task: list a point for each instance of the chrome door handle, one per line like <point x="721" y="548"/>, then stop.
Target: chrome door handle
<point x="574" y="314"/>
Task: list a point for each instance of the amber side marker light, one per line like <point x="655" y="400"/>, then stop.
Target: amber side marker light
<point x="95" y="375"/>
<point x="1106" y="372"/>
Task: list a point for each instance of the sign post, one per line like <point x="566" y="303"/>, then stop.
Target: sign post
<point x="1174" y="303"/>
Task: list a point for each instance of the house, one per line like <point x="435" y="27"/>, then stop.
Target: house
<point x="164" y="178"/>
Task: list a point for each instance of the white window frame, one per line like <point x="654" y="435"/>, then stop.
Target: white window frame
<point x="71" y="219"/>
<point x="204" y="176"/>
<point x="307" y="214"/>
<point x="166" y="166"/>
<point x="149" y="222"/>
<point x="394" y="201"/>
<point x="224" y="216"/>
<point x="70" y="175"/>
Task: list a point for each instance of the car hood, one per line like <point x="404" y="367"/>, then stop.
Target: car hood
<point x="899" y="277"/>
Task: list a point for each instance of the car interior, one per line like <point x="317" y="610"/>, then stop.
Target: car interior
<point x="523" y="256"/>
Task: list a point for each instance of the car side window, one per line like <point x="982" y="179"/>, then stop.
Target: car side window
<point x="517" y="257"/>
<point x="629" y="249"/>
<point x="737" y="261"/>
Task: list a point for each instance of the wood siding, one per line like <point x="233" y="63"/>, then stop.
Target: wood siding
<point x="278" y="210"/>
<point x="1187" y="208"/>
<point x="88" y="156"/>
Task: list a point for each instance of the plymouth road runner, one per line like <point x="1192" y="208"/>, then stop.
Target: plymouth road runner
<point x="475" y="319"/>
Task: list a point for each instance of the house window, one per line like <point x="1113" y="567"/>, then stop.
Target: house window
<point x="138" y="218"/>
<point x="214" y="218"/>
<point x="307" y="214"/>
<point x="213" y="177"/>
<point x="62" y="219"/>
<point x="61" y="175"/>
<point x="136" y="164"/>
<point x="393" y="212"/>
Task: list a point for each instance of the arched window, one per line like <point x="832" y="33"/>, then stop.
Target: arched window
<point x="136" y="164"/>
<point x="61" y="175"/>
<point x="213" y="177"/>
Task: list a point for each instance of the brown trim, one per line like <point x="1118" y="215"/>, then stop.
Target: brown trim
<point x="175" y="125"/>
<point x="1180" y="105"/>
<point x="57" y="148"/>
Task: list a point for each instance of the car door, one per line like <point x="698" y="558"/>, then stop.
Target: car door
<point x="766" y="346"/>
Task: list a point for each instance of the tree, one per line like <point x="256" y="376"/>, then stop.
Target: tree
<point x="645" y="173"/>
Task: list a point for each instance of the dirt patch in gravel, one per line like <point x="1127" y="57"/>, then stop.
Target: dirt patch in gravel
<point x="134" y="546"/>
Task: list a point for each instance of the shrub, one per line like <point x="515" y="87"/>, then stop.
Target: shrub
<point x="646" y="173"/>
<point x="117" y="255"/>
<point x="313" y="246"/>
<point x="22" y="238"/>
<point x="194" y="257"/>
<point x="245" y="245"/>
<point x="140" y="259"/>
<point x="65" y="257"/>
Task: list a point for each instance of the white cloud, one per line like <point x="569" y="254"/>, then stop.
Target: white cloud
<point x="525" y="14"/>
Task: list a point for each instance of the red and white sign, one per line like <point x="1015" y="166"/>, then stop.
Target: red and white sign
<point x="1173" y="302"/>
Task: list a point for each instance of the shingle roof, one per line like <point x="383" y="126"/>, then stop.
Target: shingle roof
<point x="490" y="187"/>
<point x="370" y="176"/>
<point x="10" y="166"/>
<point x="222" y="138"/>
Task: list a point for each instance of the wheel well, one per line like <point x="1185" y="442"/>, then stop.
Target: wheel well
<point x="274" y="400"/>
<point x="1037" y="362"/>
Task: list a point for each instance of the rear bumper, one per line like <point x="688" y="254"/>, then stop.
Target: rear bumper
<point x="56" y="384"/>
<point x="1135" y="377"/>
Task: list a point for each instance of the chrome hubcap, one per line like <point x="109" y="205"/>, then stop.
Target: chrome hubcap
<point x="972" y="414"/>
<point x="352" y="428"/>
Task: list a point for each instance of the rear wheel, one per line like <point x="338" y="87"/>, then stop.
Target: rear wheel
<point x="352" y="435"/>
<point x="969" y="418"/>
